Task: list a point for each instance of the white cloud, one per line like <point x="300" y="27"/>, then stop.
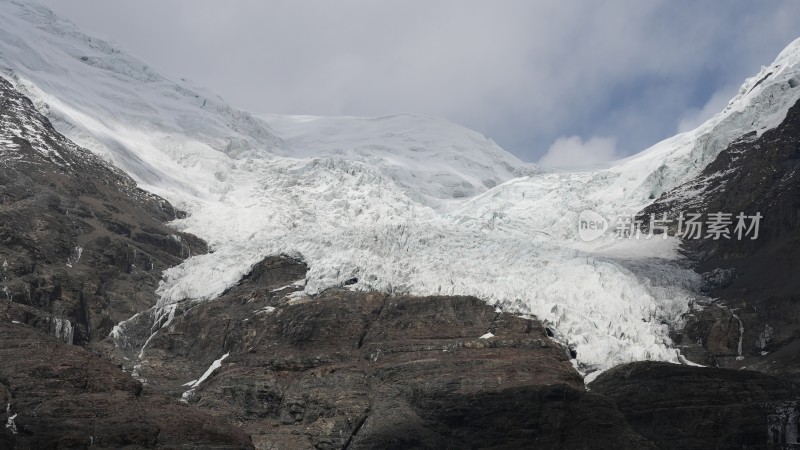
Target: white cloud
<point x="695" y="117"/>
<point x="575" y="153"/>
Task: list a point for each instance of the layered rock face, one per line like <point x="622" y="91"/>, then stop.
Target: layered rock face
<point x="56" y="395"/>
<point x="676" y="406"/>
<point x="348" y="369"/>
<point x="365" y="370"/>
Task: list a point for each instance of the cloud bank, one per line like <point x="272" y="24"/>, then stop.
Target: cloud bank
<point x="573" y="153"/>
<point x="523" y="72"/>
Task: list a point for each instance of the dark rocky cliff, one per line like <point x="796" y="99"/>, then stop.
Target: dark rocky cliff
<point x="81" y="248"/>
<point x="348" y="369"/>
<point x="753" y="281"/>
<point x="79" y="242"/>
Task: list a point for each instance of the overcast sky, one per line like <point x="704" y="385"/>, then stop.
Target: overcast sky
<point x="565" y="83"/>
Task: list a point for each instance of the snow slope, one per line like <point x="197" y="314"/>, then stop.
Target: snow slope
<point x="119" y="107"/>
<point x="403" y="203"/>
<point x="428" y="157"/>
<point x="172" y="135"/>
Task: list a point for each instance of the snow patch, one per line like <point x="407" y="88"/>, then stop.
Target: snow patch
<point x="265" y="310"/>
<point x="739" y="356"/>
<point x="296" y="284"/>
<point x="214" y="366"/>
<point x="75" y="257"/>
<point x="63" y="330"/>
<point x="10" y="424"/>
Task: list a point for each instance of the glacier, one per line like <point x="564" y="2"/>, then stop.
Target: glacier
<point x="404" y="204"/>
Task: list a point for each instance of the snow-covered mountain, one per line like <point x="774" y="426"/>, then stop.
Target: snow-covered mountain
<point x="173" y="135"/>
<point x="430" y="158"/>
<point x="402" y="203"/>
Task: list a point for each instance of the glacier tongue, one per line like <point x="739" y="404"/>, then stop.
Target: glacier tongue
<point x="609" y="301"/>
<point x="404" y="204"/>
